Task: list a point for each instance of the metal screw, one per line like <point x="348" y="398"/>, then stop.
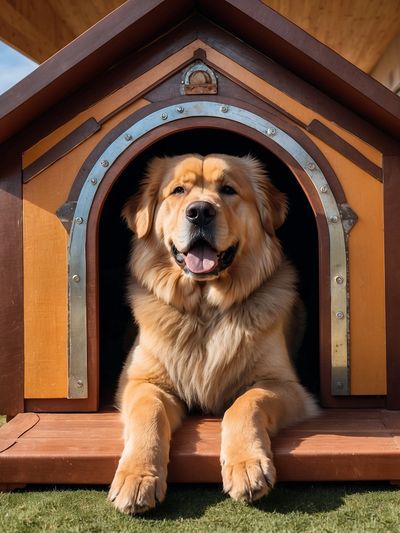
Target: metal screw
<point x="323" y="189"/>
<point x="79" y="383"/>
<point x="340" y="315"/>
<point x="128" y="137"/>
<point x="93" y="181"/>
<point x="339" y="280"/>
<point x="104" y="163"/>
<point x="76" y="278"/>
<point x="311" y="166"/>
<point x="271" y="131"/>
<point x="79" y="220"/>
<point x="334" y="219"/>
<point x="164" y="116"/>
<point x="224" y="108"/>
<point x="180" y="109"/>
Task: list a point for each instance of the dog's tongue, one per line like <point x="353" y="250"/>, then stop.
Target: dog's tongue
<point x="201" y="259"/>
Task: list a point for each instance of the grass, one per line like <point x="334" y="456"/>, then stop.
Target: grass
<point x="290" y="508"/>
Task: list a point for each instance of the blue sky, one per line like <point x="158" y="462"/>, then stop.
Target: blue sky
<point x="13" y="67"/>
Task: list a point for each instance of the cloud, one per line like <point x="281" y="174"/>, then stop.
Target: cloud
<point x="13" y="67"/>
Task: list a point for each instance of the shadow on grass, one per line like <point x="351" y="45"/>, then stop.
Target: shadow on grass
<point x="187" y="501"/>
<point x="192" y="501"/>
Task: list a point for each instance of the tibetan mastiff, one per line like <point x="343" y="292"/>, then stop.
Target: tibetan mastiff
<point x="217" y="309"/>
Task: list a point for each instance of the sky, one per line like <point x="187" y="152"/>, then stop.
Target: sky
<point x="13" y="67"/>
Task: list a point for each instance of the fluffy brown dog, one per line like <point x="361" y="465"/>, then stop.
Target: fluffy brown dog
<point x="215" y="301"/>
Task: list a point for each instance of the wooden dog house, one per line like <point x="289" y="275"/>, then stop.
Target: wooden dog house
<point x="176" y="76"/>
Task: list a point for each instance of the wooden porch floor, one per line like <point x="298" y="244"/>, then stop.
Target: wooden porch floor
<point x="84" y="448"/>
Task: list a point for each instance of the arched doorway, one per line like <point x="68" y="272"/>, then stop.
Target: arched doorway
<point x="204" y="126"/>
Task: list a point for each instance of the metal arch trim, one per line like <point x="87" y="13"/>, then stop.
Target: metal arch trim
<point x="77" y="319"/>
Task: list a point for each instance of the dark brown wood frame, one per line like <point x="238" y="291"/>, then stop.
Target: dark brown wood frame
<point x="391" y="180"/>
<point x="11" y="284"/>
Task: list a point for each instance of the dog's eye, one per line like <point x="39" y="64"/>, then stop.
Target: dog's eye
<point x="227" y="189"/>
<point x="178" y="190"/>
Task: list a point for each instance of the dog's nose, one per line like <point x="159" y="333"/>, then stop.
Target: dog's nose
<point x="200" y="213"/>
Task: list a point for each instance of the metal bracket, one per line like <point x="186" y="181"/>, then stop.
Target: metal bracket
<point x="65" y="214"/>
<point x="199" y="79"/>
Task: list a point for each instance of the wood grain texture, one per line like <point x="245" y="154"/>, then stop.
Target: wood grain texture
<point x="336" y="446"/>
<point x="11" y="285"/>
<point x="359" y="31"/>
<point x="391" y="173"/>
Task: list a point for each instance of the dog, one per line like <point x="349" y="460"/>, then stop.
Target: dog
<point x="216" y="305"/>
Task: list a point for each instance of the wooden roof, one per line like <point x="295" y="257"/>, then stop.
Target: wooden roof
<point x="136" y="24"/>
<point x="359" y="30"/>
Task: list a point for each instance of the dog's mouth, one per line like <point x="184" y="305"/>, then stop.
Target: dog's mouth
<point x="202" y="260"/>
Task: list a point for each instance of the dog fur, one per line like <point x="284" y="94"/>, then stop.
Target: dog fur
<point x="217" y="310"/>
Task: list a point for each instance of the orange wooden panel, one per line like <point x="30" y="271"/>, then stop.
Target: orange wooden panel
<point x="366" y="263"/>
<point x="337" y="445"/>
<point x="45" y="269"/>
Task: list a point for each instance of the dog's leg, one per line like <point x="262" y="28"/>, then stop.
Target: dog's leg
<point x="150" y="416"/>
<point x="248" y="472"/>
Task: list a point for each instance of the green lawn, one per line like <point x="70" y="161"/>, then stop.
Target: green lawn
<point x="290" y="508"/>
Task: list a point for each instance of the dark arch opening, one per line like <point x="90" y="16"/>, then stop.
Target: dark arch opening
<point x="299" y="237"/>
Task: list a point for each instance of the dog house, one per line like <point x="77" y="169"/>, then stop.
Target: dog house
<point x="165" y="77"/>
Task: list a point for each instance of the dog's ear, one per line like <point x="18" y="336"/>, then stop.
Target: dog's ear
<point x="138" y="212"/>
<point x="271" y="203"/>
<point x="138" y="215"/>
<point x="279" y="206"/>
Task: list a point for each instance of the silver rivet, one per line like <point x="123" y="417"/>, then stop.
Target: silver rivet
<point x="271" y="132"/>
<point x="323" y="189"/>
<point x="180" y="109"/>
<point x="104" y="163"/>
<point x="79" y="220"/>
<point x="128" y="137"/>
<point x="340" y="315"/>
<point x="334" y="219"/>
<point x="79" y="383"/>
<point x="224" y="109"/>
<point x="164" y="116"/>
<point x="76" y="278"/>
<point x="311" y="166"/>
<point x="93" y="181"/>
<point x="339" y="385"/>
<point x="339" y="280"/>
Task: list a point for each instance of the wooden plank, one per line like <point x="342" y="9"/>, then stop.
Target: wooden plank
<point x="11" y="283"/>
<point x="391" y="182"/>
<point x="76" y="137"/>
<point x="337" y="445"/>
<point x="325" y="134"/>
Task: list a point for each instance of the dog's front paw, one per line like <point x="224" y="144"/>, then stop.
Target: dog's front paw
<point x="135" y="492"/>
<point x="249" y="480"/>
